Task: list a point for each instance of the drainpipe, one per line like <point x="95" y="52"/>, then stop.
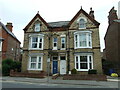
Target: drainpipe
<point x="68" y="53"/>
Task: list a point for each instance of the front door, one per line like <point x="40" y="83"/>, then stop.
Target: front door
<point x="55" y="67"/>
<point x="62" y="66"/>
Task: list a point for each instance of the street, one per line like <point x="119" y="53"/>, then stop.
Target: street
<point x="23" y="82"/>
<point x="14" y="84"/>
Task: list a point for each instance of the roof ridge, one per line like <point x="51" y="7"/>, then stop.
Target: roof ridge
<point x="57" y="21"/>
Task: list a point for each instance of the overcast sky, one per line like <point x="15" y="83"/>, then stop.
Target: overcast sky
<point x="20" y="12"/>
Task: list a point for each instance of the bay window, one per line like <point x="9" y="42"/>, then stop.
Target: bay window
<point x="36" y="42"/>
<point x="35" y="63"/>
<point x="83" y="62"/>
<point x="82" y="39"/>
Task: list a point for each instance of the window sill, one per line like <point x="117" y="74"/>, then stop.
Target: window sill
<point x="82" y="28"/>
<point x="35" y="69"/>
<point x="63" y="49"/>
<point x="54" y="49"/>
<point x="83" y="47"/>
<point x="35" y="49"/>
<point x="82" y="69"/>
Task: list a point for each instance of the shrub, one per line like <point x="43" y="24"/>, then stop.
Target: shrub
<point x="92" y="71"/>
<point x="9" y="64"/>
<point x="74" y="71"/>
<point x="5" y="70"/>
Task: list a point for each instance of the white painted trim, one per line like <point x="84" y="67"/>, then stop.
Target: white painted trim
<point x="87" y="61"/>
<point x="38" y="36"/>
<point x="63" y="35"/>
<point x="29" y="63"/>
<point x="55" y="48"/>
<point x="62" y="43"/>
<point x="0" y="45"/>
<point x="78" y="39"/>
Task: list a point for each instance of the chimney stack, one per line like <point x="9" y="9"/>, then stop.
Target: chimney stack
<point x="91" y="13"/>
<point x="119" y="10"/>
<point x="9" y="26"/>
<point x="112" y="15"/>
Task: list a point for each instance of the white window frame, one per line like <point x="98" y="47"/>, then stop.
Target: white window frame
<point x="88" y="62"/>
<point x="37" y="62"/>
<point x="55" y="47"/>
<point x="38" y="36"/>
<point x="0" y="45"/>
<point x="63" y="43"/>
<point x="84" y="23"/>
<point x="37" y="27"/>
<point x="88" y="39"/>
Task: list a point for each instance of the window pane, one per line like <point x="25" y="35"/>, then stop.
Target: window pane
<point x="63" y="45"/>
<point x="40" y="39"/>
<point x="83" y="58"/>
<point x="37" y="27"/>
<point x="33" y="66"/>
<point x="55" y="44"/>
<point x="33" y="59"/>
<point x="55" y="58"/>
<point x="40" y="45"/>
<point x="83" y="40"/>
<point x="34" y="39"/>
<point x="34" y="45"/>
<point x="62" y="58"/>
<point x="63" y="39"/>
<point x="83" y="66"/>
<point x="55" y="40"/>
<point x="40" y="59"/>
<point x="39" y="65"/>
<point x="89" y="38"/>
<point x="89" y="58"/>
<point x="82" y="23"/>
<point x="90" y="65"/>
<point x="77" y="62"/>
<point x="77" y="66"/>
<point x="76" y="40"/>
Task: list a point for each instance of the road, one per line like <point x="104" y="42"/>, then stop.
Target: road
<point x="14" y="84"/>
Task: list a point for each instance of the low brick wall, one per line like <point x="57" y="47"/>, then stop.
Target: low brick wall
<point x="26" y="74"/>
<point x="85" y="77"/>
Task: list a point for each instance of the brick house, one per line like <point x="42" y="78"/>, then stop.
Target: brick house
<point x="68" y="44"/>
<point x="10" y="45"/>
<point x="112" y="39"/>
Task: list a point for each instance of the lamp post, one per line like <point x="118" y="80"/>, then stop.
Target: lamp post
<point x="48" y="62"/>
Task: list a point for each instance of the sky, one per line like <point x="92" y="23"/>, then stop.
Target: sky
<point x="20" y="12"/>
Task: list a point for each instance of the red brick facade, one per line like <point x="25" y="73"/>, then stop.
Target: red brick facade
<point x="10" y="45"/>
<point x="112" y="39"/>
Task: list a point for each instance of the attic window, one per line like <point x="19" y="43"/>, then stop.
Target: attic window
<point x="82" y="23"/>
<point x="37" y="27"/>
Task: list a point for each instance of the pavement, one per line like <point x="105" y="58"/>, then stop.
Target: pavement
<point x="111" y="81"/>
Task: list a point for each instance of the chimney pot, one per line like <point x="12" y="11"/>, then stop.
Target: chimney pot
<point x="9" y="26"/>
<point x="91" y="13"/>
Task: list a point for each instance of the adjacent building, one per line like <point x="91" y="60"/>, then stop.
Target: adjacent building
<point x="67" y="44"/>
<point x="9" y="44"/>
<point x="112" y="39"/>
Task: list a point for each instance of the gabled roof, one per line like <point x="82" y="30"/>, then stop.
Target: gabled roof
<point x="8" y="31"/>
<point x="58" y="24"/>
<point x="82" y="11"/>
<point x="36" y="16"/>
